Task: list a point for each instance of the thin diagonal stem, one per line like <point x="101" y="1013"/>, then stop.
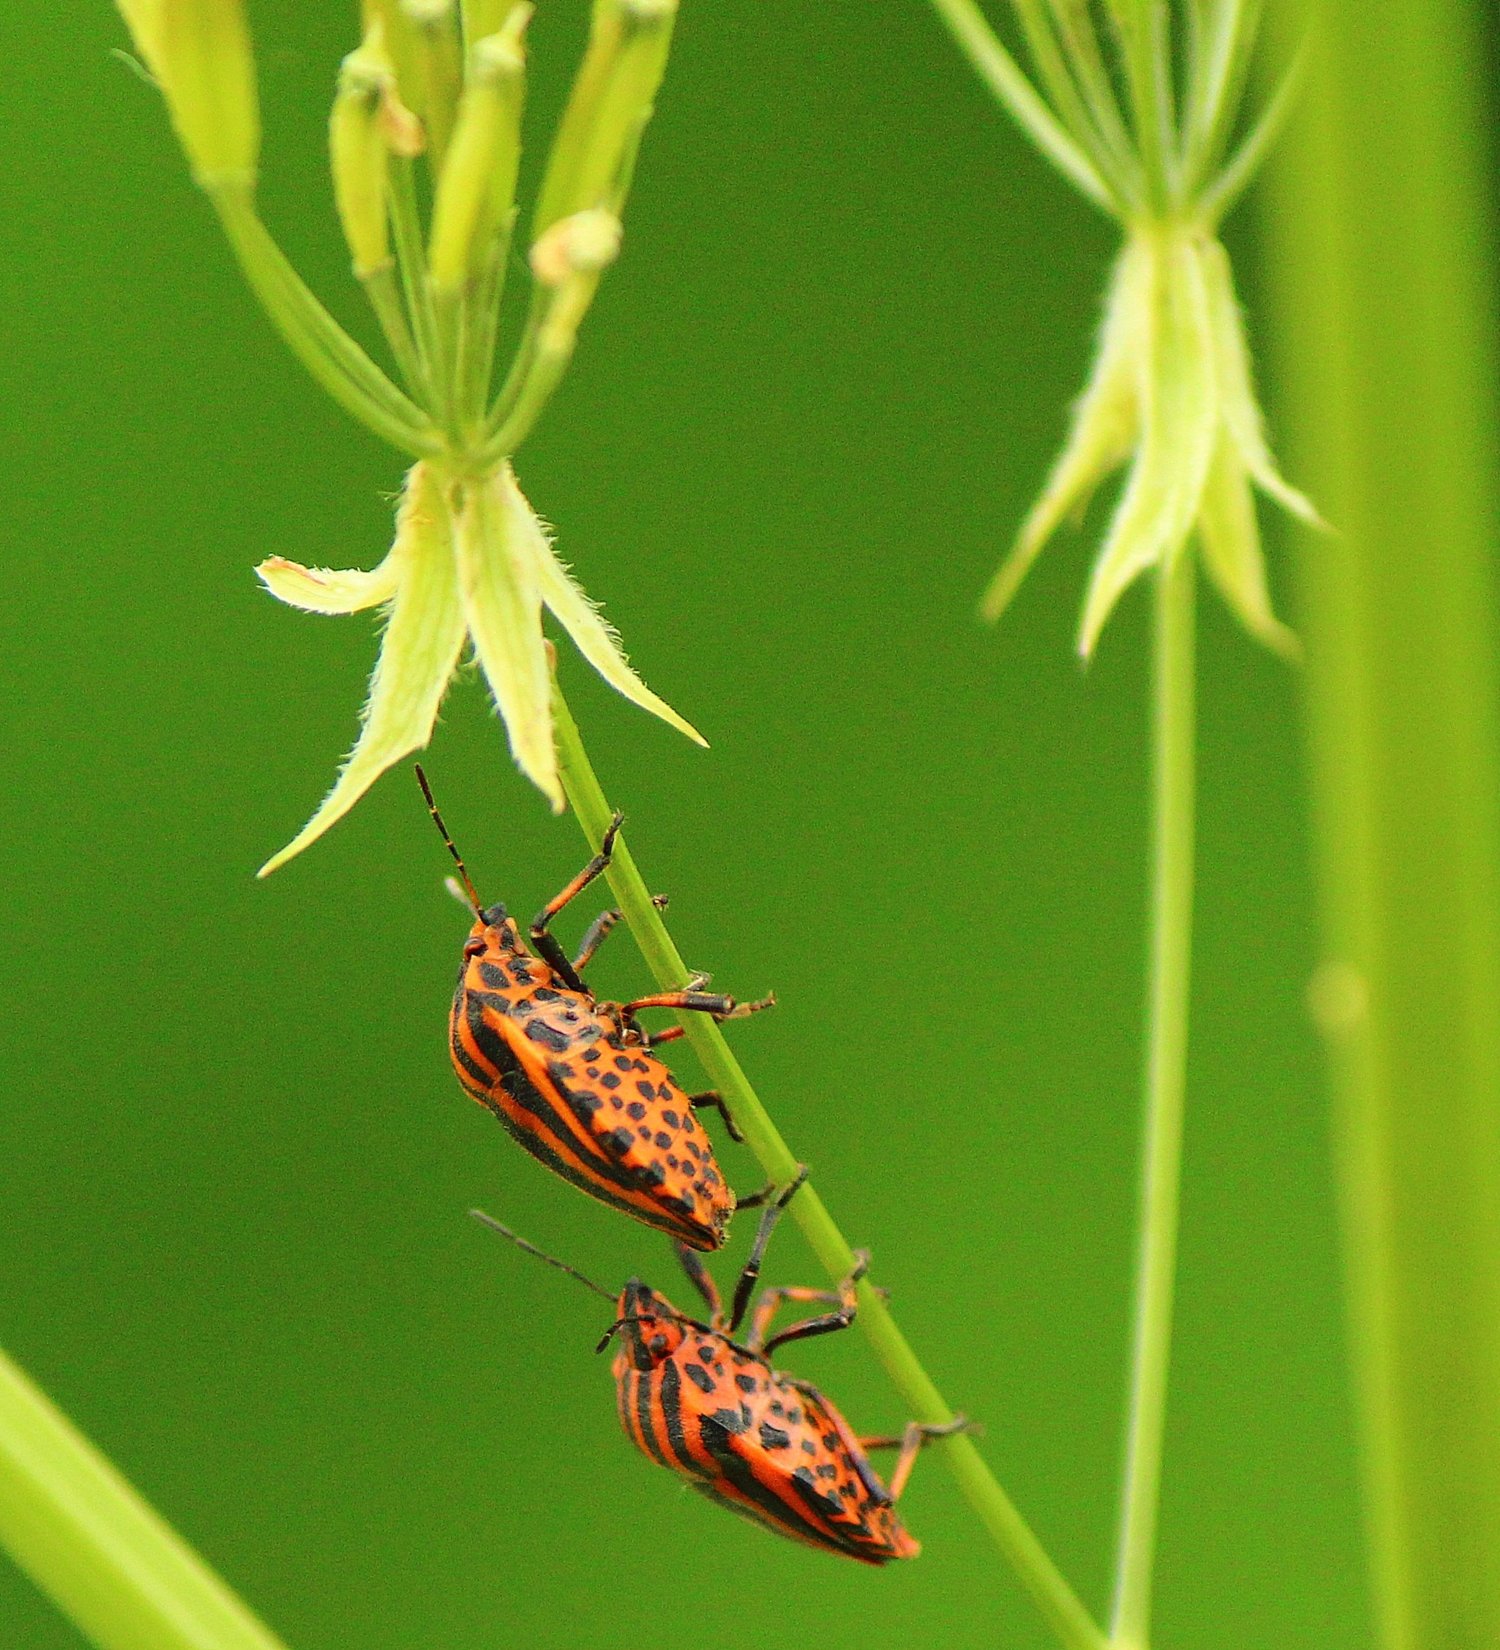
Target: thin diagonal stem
<point x="1166" y="1063"/>
<point x="1054" y="1597"/>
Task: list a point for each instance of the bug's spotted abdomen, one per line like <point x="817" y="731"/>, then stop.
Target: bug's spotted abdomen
<point x="581" y="1092"/>
<point x="766" y="1446"/>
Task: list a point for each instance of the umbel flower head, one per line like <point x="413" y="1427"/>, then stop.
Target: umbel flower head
<point x="1171" y="395"/>
<point x="434" y="83"/>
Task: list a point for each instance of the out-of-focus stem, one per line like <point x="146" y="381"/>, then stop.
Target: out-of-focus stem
<point x="1385" y="312"/>
<point x="1170" y="976"/>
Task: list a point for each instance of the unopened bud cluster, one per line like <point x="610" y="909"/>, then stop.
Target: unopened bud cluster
<point x="441" y="86"/>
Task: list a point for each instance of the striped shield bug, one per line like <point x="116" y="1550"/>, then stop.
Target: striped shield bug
<point x="575" y="1079"/>
<point x="764" y="1444"/>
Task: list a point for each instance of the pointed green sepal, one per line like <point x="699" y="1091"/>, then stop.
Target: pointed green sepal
<point x="1104" y="427"/>
<point x="596" y="639"/>
<point x="1179" y="429"/>
<point x="497" y="576"/>
<point x="418" y="655"/>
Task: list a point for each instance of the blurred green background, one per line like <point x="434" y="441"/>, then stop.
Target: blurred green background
<point x="813" y="401"/>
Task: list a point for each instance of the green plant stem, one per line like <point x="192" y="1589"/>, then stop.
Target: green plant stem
<point x="88" y="1540"/>
<point x="1056" y="1600"/>
<point x="1385" y="309"/>
<point x="1166" y="1068"/>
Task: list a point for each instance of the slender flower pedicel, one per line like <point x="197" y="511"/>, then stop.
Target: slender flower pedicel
<point x="471" y="562"/>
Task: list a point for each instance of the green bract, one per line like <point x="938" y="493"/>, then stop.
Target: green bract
<point x="1170" y="395"/>
<point x="470" y="561"/>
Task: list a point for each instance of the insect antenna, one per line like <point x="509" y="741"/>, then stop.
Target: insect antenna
<point x="437" y="819"/>
<point x="531" y="1249"/>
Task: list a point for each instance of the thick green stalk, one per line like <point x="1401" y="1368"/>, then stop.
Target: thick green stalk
<point x="1056" y="1600"/>
<point x="1386" y="310"/>
<point x="1166" y="1068"/>
<point x="92" y="1544"/>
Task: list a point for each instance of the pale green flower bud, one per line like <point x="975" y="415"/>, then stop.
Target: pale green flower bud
<point x="477" y="186"/>
<point x="438" y="67"/>
<point x="594" y="153"/>
<point x="199" y="52"/>
<point x="570" y="257"/>
<point x="359" y="152"/>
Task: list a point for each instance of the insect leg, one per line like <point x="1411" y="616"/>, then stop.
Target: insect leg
<point x="700" y="1002"/>
<point x="701" y="1277"/>
<point x="911" y="1443"/>
<point x="825" y="1324"/>
<point x="713" y="1099"/>
<point x="599" y="930"/>
<point x="595" y="868"/>
<point x="594" y="936"/>
<point x="751" y="1272"/>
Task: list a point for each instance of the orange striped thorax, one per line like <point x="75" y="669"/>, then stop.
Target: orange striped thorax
<point x="575" y="1082"/>
<point x="758" y="1442"/>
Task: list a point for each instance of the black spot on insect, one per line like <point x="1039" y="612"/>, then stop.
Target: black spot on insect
<point x="548" y="1036"/>
<point x="828" y="1469"/>
<point x="746" y="1383"/>
<point x="615" y="1101"/>
<point x="647" y="1089"/>
<point x="592" y="1054"/>
<point x="706" y="1353"/>
<point x="623" y="1062"/>
<point x="809" y="1447"/>
<point x="804" y="1475"/>
<point x="636" y="1110"/>
<point x="494" y="976"/>
<point x="657" y="1344"/>
<point x="710" y="1178"/>
<point x="830" y="1440"/>
<point x="699" y="1377"/>
<point x="644" y="1132"/>
<point x="694" y="1148"/>
<point x="730" y="1419"/>
<point x="776" y="1407"/>
<point x="584" y="1105"/>
<point x="794" y="1416"/>
<point x="663" y="1139"/>
<point x="593" y="1071"/>
<point x="653" y="1175"/>
<point x="670" y="1118"/>
<point x="640" y="1065"/>
<point x="773" y="1437"/>
<point x="609" y="1080"/>
<point x="618" y="1141"/>
<point x="545" y="994"/>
